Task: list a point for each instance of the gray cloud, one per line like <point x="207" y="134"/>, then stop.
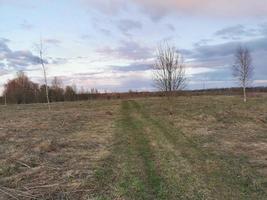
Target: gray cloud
<point x="221" y="74"/>
<point x="52" y="41"/>
<point x="204" y="50"/>
<point x="26" y="25"/>
<point x="260" y="64"/>
<point x="128" y="50"/>
<point x="22" y="59"/>
<point x="226" y="49"/>
<point x="170" y="27"/>
<point x="4" y="49"/>
<point x="3" y="70"/>
<point x="87" y="74"/>
<point x="132" y="67"/>
<point x="106" y="32"/>
<point x="263" y="28"/>
<point x="57" y="61"/>
<point x="236" y="32"/>
<point x="85" y="37"/>
<point x="220" y="57"/>
<point x="18" y="60"/>
<point x="202" y="42"/>
<point x="126" y="25"/>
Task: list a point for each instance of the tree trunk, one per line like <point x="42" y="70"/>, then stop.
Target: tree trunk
<point x="244" y="93"/>
<point x="46" y="87"/>
<point x="5" y="100"/>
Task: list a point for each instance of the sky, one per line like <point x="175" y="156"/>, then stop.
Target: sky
<point x="110" y="44"/>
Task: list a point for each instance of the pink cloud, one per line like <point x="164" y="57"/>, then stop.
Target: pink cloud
<point x="206" y="7"/>
<point x="159" y="8"/>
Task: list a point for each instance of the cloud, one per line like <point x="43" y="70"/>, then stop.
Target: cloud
<point x="4" y="49"/>
<point x="220" y="74"/>
<point x="57" y="61"/>
<point x="126" y="25"/>
<point x="22" y="58"/>
<point x="87" y="74"/>
<point x="109" y="7"/>
<point x="26" y="25"/>
<point x="237" y="8"/>
<point x="134" y="67"/>
<point x="18" y="60"/>
<point x="85" y="37"/>
<point x="228" y="48"/>
<point x="235" y="32"/>
<point x="3" y="70"/>
<point x="202" y="42"/>
<point x="220" y="57"/>
<point x="170" y="27"/>
<point x="106" y="32"/>
<point x="259" y="63"/>
<point x="127" y="50"/>
<point x="263" y="28"/>
<point x="52" y="41"/>
<point x="156" y="9"/>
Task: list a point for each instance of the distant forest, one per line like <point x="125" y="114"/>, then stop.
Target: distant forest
<point x="21" y="90"/>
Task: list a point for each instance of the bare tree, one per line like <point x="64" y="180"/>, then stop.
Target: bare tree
<point x="40" y="50"/>
<point x="169" y="69"/>
<point x="243" y="68"/>
<point x="57" y="91"/>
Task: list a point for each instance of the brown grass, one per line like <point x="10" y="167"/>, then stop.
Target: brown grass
<point x="53" y="155"/>
<point x="210" y="147"/>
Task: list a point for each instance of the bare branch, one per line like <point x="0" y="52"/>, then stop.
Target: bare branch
<point x="169" y="69"/>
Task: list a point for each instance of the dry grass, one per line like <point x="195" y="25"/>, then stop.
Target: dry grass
<point x="53" y="155"/>
<point x="209" y="147"/>
<point x="222" y="123"/>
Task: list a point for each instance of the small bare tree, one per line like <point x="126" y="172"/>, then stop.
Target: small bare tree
<point x="40" y="50"/>
<point x="169" y="69"/>
<point x="243" y="68"/>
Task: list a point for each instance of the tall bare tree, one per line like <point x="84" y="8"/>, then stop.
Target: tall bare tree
<point x="169" y="69"/>
<point x="40" y="49"/>
<point x="243" y="68"/>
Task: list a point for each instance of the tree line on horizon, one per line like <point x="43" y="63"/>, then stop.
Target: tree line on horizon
<point x="21" y="90"/>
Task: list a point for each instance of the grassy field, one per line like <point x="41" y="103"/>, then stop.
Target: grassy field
<point x="208" y="147"/>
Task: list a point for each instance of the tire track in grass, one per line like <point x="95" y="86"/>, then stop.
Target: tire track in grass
<point x="180" y="177"/>
<point x="230" y="179"/>
<point x="139" y="147"/>
<point x="131" y="172"/>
